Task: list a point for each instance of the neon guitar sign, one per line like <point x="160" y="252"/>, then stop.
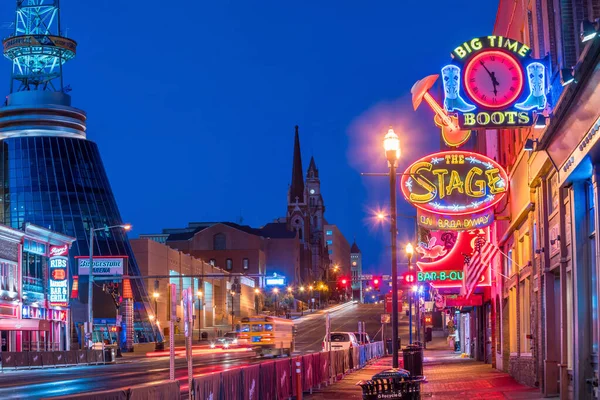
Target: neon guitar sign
<point x="452" y="134"/>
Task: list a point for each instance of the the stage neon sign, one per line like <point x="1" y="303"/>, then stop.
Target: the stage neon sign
<point x="454" y="190"/>
<point x="493" y="82"/>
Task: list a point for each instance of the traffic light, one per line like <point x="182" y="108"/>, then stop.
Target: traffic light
<point x="376" y="283"/>
<point x="344" y="282"/>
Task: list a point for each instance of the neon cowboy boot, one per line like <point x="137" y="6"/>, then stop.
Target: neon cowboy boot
<point x="536" y="75"/>
<point x="452" y="99"/>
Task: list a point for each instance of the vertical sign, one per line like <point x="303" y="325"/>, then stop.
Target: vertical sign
<point x="59" y="276"/>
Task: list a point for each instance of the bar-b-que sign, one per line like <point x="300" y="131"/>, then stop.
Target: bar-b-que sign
<point x="454" y="190"/>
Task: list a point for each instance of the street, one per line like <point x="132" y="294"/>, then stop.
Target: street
<point x="134" y="370"/>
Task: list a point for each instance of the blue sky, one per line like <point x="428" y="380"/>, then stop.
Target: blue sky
<point x="193" y="104"/>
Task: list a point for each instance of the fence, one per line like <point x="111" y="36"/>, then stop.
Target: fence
<point x="45" y="359"/>
<point x="276" y="380"/>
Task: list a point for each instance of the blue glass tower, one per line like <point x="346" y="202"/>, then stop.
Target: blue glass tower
<point x="51" y="174"/>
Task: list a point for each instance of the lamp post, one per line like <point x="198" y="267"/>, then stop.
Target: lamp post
<point x="310" y="300"/>
<point x="199" y="294"/>
<point x="256" y="294"/>
<point x="302" y="306"/>
<point x="276" y="292"/>
<point x="156" y="295"/>
<point x="90" y="332"/>
<point x="232" y="311"/>
<point x="391" y="145"/>
<point x="409" y="253"/>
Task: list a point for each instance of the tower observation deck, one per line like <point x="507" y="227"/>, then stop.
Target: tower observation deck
<point x="50" y="174"/>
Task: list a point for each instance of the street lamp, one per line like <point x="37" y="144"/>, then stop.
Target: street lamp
<point x="276" y="292"/>
<point x="90" y="332"/>
<point x="409" y="253"/>
<point x="256" y="294"/>
<point x="232" y="310"/>
<point x="391" y="145"/>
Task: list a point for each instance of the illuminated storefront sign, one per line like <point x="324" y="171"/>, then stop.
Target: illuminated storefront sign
<point x="443" y="257"/>
<point x="493" y="82"/>
<point x="454" y="190"/>
<point x="275" y="280"/>
<point x="102" y="265"/>
<point x="58" y="283"/>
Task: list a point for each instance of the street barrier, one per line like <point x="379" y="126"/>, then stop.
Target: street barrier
<point x="325" y="366"/>
<point x="71" y="357"/>
<point x="9" y="359"/>
<point x="283" y="376"/>
<point x="82" y="357"/>
<point x="307" y="372"/>
<point x="232" y="384"/>
<point x="117" y="394"/>
<point x="207" y="386"/>
<point x="268" y="388"/>
<point x="251" y="388"/>
<point x="35" y="359"/>
<point x="21" y="360"/>
<point x="294" y="378"/>
<point x="316" y="368"/>
<point x="60" y="358"/>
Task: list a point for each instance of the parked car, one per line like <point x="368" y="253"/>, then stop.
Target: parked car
<point x="340" y="341"/>
<point x="362" y="337"/>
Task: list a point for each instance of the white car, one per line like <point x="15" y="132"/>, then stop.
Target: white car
<point x="340" y="341"/>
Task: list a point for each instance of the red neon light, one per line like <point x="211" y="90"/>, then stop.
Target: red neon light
<point x="463" y="200"/>
<point x="491" y="66"/>
<point x="454" y="259"/>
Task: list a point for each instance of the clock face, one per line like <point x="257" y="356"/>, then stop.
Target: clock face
<point x="312" y="191"/>
<point x="493" y="79"/>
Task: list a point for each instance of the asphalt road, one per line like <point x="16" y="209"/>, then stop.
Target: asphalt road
<point x="35" y="384"/>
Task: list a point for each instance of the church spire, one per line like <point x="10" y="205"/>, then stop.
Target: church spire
<point x="313" y="171"/>
<point x="297" y="186"/>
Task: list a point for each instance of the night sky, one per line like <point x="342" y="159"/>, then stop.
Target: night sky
<point x="193" y="103"/>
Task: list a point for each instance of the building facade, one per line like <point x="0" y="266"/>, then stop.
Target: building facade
<point x="338" y="249"/>
<point x="545" y="300"/>
<point x="34" y="304"/>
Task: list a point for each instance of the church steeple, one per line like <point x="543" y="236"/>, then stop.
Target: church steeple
<point x="313" y="171"/>
<point x="297" y="186"/>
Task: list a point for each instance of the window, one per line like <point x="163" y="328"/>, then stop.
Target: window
<point x="553" y="192"/>
<point x="219" y="241"/>
<point x="524" y="307"/>
<point x="245" y="263"/>
<point x="212" y="262"/>
<point x="508" y="264"/>
<point x="300" y="234"/>
<point x="512" y="314"/>
<point x="329" y="242"/>
<point x="229" y="264"/>
<point x="257" y="328"/>
<point x="329" y="233"/>
<point x="330" y="251"/>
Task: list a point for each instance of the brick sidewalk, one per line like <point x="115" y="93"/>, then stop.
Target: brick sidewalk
<point x="448" y="377"/>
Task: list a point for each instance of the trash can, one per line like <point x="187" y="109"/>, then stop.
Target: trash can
<point x="413" y="360"/>
<point x="204" y="336"/>
<point x="110" y="354"/>
<point x="392" y="383"/>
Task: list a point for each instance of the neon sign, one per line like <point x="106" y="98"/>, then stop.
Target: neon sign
<point x="454" y="190"/>
<point x="446" y="271"/>
<point x="493" y="82"/>
<point x="58" y="282"/>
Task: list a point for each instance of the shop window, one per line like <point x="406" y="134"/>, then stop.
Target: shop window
<point x="219" y="241"/>
<point x="569" y="320"/>
<point x="229" y="264"/>
<point x="245" y="263"/>
<point x="553" y="192"/>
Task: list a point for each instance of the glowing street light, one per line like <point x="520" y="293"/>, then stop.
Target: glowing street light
<point x="257" y="291"/>
<point x="410" y="249"/>
<point x="275" y="290"/>
<point x="391" y="145"/>
<point x="151" y="317"/>
<point x="289" y="289"/>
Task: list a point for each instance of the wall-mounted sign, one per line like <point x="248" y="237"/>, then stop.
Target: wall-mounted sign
<point x="445" y="269"/>
<point x="58" y="276"/>
<point x="275" y="280"/>
<point x="103" y="265"/>
<point x="460" y="301"/>
<point x="454" y="190"/>
<point x="493" y="82"/>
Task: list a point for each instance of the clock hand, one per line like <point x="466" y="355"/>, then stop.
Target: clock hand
<point x="483" y="65"/>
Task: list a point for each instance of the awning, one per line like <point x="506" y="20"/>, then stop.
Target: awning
<point x="9" y="324"/>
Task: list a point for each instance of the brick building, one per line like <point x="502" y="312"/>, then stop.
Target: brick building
<point x="545" y="301"/>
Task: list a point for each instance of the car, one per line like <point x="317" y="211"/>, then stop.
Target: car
<point x="225" y="341"/>
<point x="340" y="341"/>
<point x="362" y="337"/>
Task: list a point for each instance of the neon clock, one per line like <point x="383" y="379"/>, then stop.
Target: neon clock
<point x="493" y="79"/>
